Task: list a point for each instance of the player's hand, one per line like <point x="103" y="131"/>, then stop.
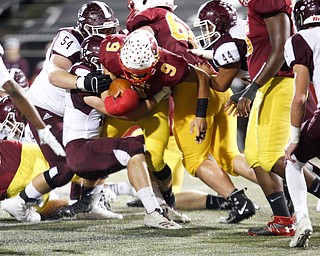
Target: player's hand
<point x="246" y="99"/>
<point x="94" y="82"/>
<point x="200" y="124"/>
<point x="46" y="137"/>
<point x="231" y="105"/>
<point x="290" y="148"/>
<point x="243" y="107"/>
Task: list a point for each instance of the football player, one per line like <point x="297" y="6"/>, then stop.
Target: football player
<point x="270" y="90"/>
<point x="155" y="69"/>
<point x="18" y="97"/>
<point x="47" y="92"/>
<point x="173" y="34"/>
<point x="93" y="157"/>
<point x="21" y="161"/>
<point x="302" y="54"/>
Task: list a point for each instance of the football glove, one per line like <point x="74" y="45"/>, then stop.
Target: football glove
<point x="46" y="137"/>
<point x="120" y="106"/>
<point x="94" y="82"/>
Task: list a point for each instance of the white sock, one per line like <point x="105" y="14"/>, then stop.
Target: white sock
<point x="98" y="188"/>
<point x="157" y="193"/>
<point x="297" y="188"/>
<point x="31" y="192"/>
<point x="148" y="199"/>
<point x="122" y="188"/>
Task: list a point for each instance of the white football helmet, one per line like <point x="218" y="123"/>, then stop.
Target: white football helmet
<point x="139" y="55"/>
<point x="140" y="5"/>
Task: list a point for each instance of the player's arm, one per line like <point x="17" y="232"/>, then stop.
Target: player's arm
<point x="279" y="30"/>
<point x="20" y="100"/>
<point x="298" y="105"/>
<point x="144" y="107"/>
<point x="59" y="72"/>
<point x="200" y="123"/>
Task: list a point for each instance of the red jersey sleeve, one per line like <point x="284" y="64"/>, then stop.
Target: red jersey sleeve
<point x="270" y="7"/>
<point x="109" y="51"/>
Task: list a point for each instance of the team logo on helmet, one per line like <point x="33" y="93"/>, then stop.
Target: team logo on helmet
<point x="306" y="13"/>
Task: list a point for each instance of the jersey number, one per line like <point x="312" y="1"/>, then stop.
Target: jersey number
<point x="178" y="28"/>
<point x="67" y="42"/>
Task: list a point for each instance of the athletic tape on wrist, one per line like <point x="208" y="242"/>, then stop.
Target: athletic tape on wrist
<point x="202" y="105"/>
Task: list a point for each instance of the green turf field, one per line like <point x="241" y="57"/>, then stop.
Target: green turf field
<point x="203" y="236"/>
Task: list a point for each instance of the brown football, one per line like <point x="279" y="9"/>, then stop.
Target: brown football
<point x="119" y="84"/>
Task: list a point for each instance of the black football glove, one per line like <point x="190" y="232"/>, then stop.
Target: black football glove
<point x="94" y="82"/>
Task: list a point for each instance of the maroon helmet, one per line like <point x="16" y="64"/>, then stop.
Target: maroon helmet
<point x="214" y="19"/>
<point x="306" y="13"/>
<point x="90" y="51"/>
<point x="97" y="18"/>
<point x="18" y="76"/>
<point x="12" y="122"/>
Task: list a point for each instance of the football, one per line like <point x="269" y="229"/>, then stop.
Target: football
<point x="119" y="85"/>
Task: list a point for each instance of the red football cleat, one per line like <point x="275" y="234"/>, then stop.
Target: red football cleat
<point x="280" y="226"/>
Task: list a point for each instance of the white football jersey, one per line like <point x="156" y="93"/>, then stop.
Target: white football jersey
<point x="44" y="94"/>
<point x="80" y="120"/>
<point x="304" y="48"/>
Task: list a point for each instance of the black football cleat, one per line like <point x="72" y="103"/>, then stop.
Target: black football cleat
<point x="242" y="208"/>
<point x="82" y="205"/>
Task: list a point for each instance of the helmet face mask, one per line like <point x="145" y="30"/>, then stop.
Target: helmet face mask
<point x="11" y="124"/>
<point x="306" y="13"/>
<point x="209" y="35"/>
<point x="139" y="56"/>
<point x="214" y="19"/>
<point x="97" y="18"/>
<point x="89" y="52"/>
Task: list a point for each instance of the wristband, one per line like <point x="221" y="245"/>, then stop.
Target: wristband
<point x="294" y="134"/>
<point x="80" y="83"/>
<point x="251" y="91"/>
<point x="202" y="105"/>
<point x="4" y="73"/>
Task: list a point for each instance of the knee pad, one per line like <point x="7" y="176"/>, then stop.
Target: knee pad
<point x="55" y="178"/>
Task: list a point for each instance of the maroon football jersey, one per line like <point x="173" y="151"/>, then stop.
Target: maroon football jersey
<point x="259" y="47"/>
<point x="10" y="158"/>
<point x="170" y="31"/>
<point x="171" y="69"/>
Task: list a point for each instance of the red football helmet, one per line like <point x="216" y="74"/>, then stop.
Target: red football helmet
<point x="89" y="52"/>
<point x="214" y="19"/>
<point x="12" y="122"/>
<point x="306" y="13"/>
<point x="18" y="76"/>
<point x="138" y="56"/>
<point x="140" y="5"/>
<point x="97" y="18"/>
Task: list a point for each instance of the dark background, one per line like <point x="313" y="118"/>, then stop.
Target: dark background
<point x="35" y="22"/>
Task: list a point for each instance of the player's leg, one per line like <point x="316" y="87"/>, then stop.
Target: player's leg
<point x="269" y="125"/>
